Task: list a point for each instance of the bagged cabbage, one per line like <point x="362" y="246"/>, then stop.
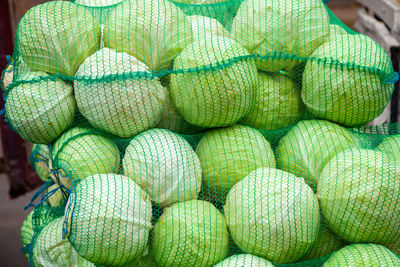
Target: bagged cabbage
<point x="273" y="214"/>
<point x="347" y="88"/>
<point x="279" y="31"/>
<point x="276" y="103"/>
<point x="27" y="231"/>
<point x="191" y="233"/>
<point x="50" y="249"/>
<point x="204" y="27"/>
<point x="80" y="152"/>
<point x="391" y="146"/>
<point x="40" y="160"/>
<point x="227" y="155"/>
<point x="153" y="31"/>
<point x="366" y="255"/>
<point x="40" y="110"/>
<point x="359" y="195"/>
<point x="124" y="105"/>
<point x="325" y="243"/>
<point x="56" y="37"/>
<point x="108" y="219"/>
<point x="164" y="165"/>
<point x="205" y="92"/>
<point x="245" y="260"/>
<point x="309" y="145"/>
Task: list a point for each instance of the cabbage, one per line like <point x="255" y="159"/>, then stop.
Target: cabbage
<point x="56" y="37"/>
<point x="276" y="103"/>
<point x="279" y="30"/>
<point x="273" y="214"/>
<point x="164" y="165"/>
<point x="340" y="92"/>
<point x="154" y="31"/>
<point x="359" y="195"/>
<point x="227" y="155"/>
<point x="391" y="146"/>
<point x="97" y="3"/>
<point x="245" y="260"/>
<point x="108" y="219"/>
<point x="50" y="249"/>
<point x="27" y="231"/>
<point x="191" y="233"/>
<point x="40" y="160"/>
<point x="39" y="111"/>
<point x="325" y="243"/>
<point x="125" y="105"/>
<point x="217" y="97"/>
<point x="309" y="145"/>
<point x="172" y="120"/>
<point x="367" y="255"/>
<point x="204" y="26"/>
<point x="80" y="153"/>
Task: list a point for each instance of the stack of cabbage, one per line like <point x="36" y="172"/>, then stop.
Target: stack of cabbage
<point x="200" y="133"/>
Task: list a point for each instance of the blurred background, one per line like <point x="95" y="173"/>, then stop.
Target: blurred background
<point x="380" y="19"/>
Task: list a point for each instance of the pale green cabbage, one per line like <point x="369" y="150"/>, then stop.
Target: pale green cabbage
<point x="191" y="233"/>
<point x="123" y="106"/>
<point x="391" y="146"/>
<point x="325" y="243"/>
<point x="276" y="103"/>
<point x="164" y="165"/>
<point x="278" y="28"/>
<point x="244" y="260"/>
<point x="366" y="255"/>
<point x="81" y="153"/>
<point x="39" y="111"/>
<point x="341" y="92"/>
<point x="309" y="145"/>
<point x="204" y="26"/>
<point x="154" y="31"/>
<point x="40" y="161"/>
<point x="359" y="195"/>
<point x="108" y="219"/>
<point x="227" y="155"/>
<point x="217" y="97"/>
<point x="56" y="37"/>
<point x="51" y="250"/>
<point x="273" y="214"/>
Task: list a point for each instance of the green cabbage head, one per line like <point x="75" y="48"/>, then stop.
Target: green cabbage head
<point x="309" y="145"/>
<point x="273" y="214"/>
<point x="191" y="233"/>
<point x="42" y="109"/>
<point x="246" y="260"/>
<point x="108" y="219"/>
<point x="368" y="255"/>
<point x="339" y="84"/>
<point x="276" y="103"/>
<point x="153" y="31"/>
<point x="279" y="30"/>
<point x="359" y="195"/>
<point x="227" y="155"/>
<point x="56" y="37"/>
<point x="215" y="97"/>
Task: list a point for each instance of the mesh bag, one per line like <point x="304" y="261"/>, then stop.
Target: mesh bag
<point x="201" y="133"/>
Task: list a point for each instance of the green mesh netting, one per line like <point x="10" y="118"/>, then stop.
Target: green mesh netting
<point x="201" y="133"/>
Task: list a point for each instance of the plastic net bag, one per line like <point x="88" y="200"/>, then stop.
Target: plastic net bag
<point x="201" y="133"/>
